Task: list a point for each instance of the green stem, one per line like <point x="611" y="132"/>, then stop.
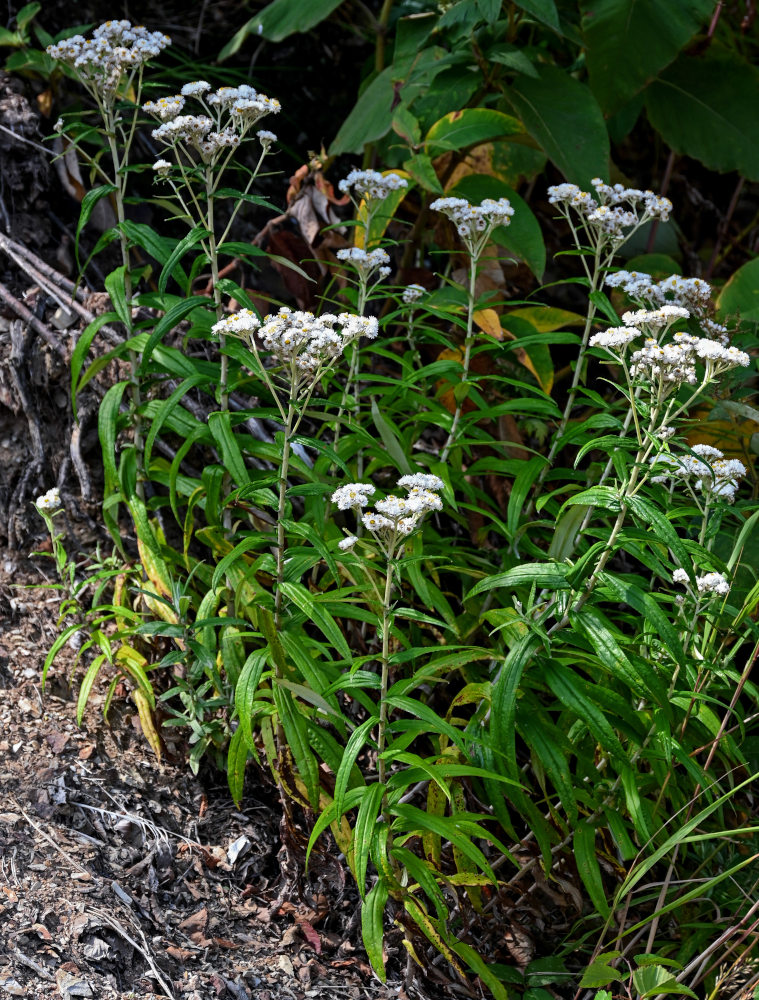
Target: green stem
<point x="284" y="467"/>
<point x="135" y="400"/>
<point x="385" y="675"/>
<point x="468" y="343"/>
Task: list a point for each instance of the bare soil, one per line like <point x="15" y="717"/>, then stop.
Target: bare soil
<point x="122" y="876"/>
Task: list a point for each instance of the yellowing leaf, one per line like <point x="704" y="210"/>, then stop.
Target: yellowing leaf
<point x="489" y="322"/>
<point x="546" y="319"/>
<point x="146" y="722"/>
<point x="381" y="219"/>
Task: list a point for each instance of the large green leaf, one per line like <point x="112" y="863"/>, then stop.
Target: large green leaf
<point x="523" y="236"/>
<point x="740" y="296"/>
<point x="630" y="41"/>
<point x="279" y="19"/>
<point x="461" y="129"/>
<point x="707" y="107"/>
<point x="563" y="116"/>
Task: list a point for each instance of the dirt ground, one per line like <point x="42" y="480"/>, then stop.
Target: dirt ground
<point x="124" y="877"/>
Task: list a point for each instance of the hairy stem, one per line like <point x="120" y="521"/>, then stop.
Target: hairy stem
<point x="468" y="343"/>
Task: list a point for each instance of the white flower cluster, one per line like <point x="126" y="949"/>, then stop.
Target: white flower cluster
<point x="293" y="337"/>
<point x="366" y="263"/>
<point x="393" y="517"/>
<point x="49" y="500"/>
<point x="232" y="111"/>
<point x="114" y="49"/>
<point x="475" y="222"/>
<point x="707" y="467"/>
<point x="615" y="339"/>
<point x="614" y="211"/>
<point x="371" y="185"/>
<point x="674" y="363"/>
<point x="412" y="294"/>
<point x="713" y="583"/>
<point x="709" y="583"/>
<point x="691" y="294"/>
<point x="353" y="495"/>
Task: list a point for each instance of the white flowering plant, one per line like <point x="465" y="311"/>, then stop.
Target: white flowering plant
<point x="482" y="626"/>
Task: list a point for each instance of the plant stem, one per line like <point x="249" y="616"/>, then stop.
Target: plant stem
<point x="382" y="725"/>
<point x="591" y="315"/>
<point x="468" y="343"/>
<point x="281" y="548"/>
<point x="214" y="259"/>
<point x="135" y="399"/>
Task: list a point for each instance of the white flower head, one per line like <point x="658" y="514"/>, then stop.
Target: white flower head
<point x="195" y="88"/>
<point x="49" y="500"/>
<point x="115" y="49"/>
<point x="616" y="339"/>
<point x="713" y="583"/>
<point x="265" y="137"/>
<point x="162" y="168"/>
<point x="371" y="185"/>
<point x="347" y="543"/>
<point x="680" y="576"/>
<point x="475" y="223"/>
<point x="352" y="495"/>
<point x="421" y="481"/>
<point x="412" y="294"/>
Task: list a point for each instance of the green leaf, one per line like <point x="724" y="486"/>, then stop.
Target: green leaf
<point x="279" y="20"/>
<point x="366" y="822"/>
<point x="237" y="756"/>
<point x="390" y="439"/>
<point x="353" y="747"/>
<point x="27" y="14"/>
<point x="542" y="10"/>
<point x="630" y="41"/>
<point x="164" y="411"/>
<point x="84" y="691"/>
<point x="461" y="129"/>
<point x="89" y="201"/>
<point x="314" y="612"/>
<point x="108" y="417"/>
<point x="371" y="117"/>
<point x="114" y="285"/>
<point x="174" y="315"/>
<point x="245" y="693"/>
<point x="563" y="116"/>
<point x="740" y="296"/>
<point x="421" y="169"/>
<point x="599" y="974"/>
<point x="653" y="980"/>
<point x="372" y="926"/>
<point x="296" y="733"/>
<point x="523" y="236"/>
<point x="565" y="685"/>
<point x="552" y="575"/>
<point x="220" y="426"/>
<point x="590" y="871"/>
<point x="706" y="106"/>
<point x="192" y="239"/>
<point x="79" y="354"/>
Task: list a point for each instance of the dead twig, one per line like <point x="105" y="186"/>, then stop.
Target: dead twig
<point x="28" y="317"/>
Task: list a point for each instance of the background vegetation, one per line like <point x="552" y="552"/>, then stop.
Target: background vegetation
<point x="533" y="750"/>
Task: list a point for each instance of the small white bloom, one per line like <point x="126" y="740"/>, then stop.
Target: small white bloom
<point x="195" y="88"/>
<point x="370" y="185"/>
<point x="376" y="522"/>
<point x="422" y="481"/>
<point x="265" y="137"/>
<point x="680" y="576"/>
<point x="713" y="583"/>
<point x="162" y="167"/>
<point x="352" y="495"/>
<point x="412" y="294"/>
<point x="616" y="337"/>
<point x="347" y="543"/>
<point x="49" y="500"/>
